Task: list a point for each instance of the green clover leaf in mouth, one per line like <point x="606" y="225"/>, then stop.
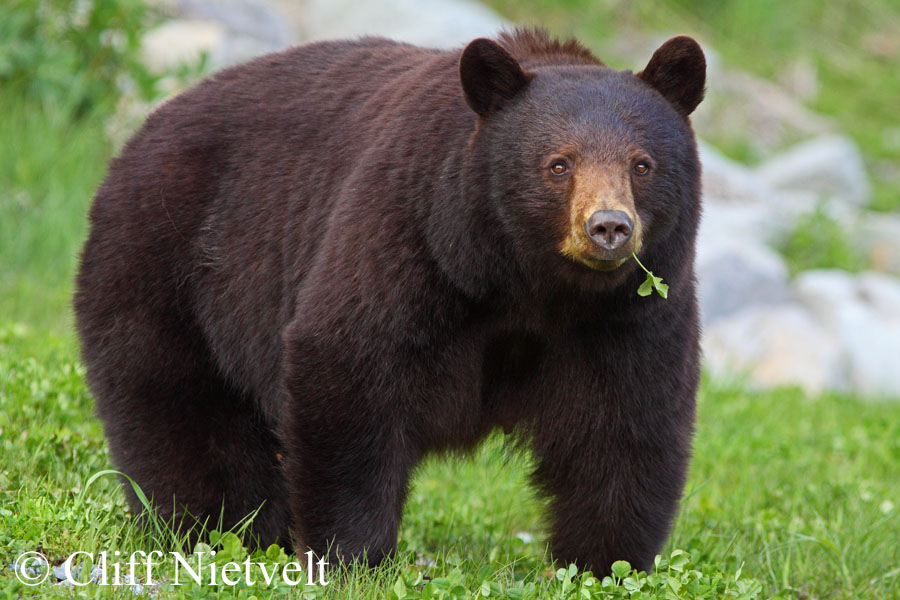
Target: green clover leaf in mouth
<point x="651" y="283"/>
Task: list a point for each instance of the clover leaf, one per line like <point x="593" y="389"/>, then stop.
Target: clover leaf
<point x="651" y="282"/>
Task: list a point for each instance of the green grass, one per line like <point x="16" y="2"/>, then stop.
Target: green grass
<point x="50" y="167"/>
<point x="853" y="45"/>
<point x="803" y="492"/>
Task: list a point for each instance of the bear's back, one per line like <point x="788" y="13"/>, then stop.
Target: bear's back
<point x="223" y="198"/>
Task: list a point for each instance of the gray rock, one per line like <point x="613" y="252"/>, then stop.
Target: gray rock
<point x="776" y="346"/>
<point x="881" y="292"/>
<point x="180" y="41"/>
<point x="872" y="347"/>
<point x="256" y="19"/>
<point x="737" y="103"/>
<point x="228" y="31"/>
<point x="756" y="222"/>
<point x="731" y="223"/>
<point x="240" y="48"/>
<point x="863" y="313"/>
<point x="800" y="77"/>
<point x="825" y="292"/>
<point x="878" y="235"/>
<point x="436" y="23"/>
<point x="59" y="571"/>
<point x="32" y="566"/>
<point x="830" y="166"/>
<point x="737" y="202"/>
<point x="736" y="273"/>
<point x="728" y="181"/>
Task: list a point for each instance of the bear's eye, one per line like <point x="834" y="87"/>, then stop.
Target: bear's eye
<point x="559" y="167"/>
<point x="641" y="168"/>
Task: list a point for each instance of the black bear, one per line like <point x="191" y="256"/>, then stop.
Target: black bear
<point x="311" y="270"/>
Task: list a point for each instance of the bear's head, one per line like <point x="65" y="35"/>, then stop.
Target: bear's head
<point x="581" y="165"/>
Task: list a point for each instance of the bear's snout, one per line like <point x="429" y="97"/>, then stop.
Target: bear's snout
<point x="609" y="229"/>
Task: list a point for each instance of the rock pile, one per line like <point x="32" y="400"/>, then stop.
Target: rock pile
<point x="823" y="329"/>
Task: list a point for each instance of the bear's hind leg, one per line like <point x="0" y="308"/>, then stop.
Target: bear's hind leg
<point x="200" y="450"/>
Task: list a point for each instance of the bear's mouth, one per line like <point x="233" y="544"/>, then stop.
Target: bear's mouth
<point x="599" y="260"/>
<point x="599" y="264"/>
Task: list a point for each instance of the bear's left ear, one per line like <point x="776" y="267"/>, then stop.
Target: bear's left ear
<point x="490" y="76"/>
<point x="678" y="71"/>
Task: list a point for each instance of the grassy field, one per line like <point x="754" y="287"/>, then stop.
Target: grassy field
<point x="49" y="169"/>
<point x="801" y="496"/>
<point x="804" y="493"/>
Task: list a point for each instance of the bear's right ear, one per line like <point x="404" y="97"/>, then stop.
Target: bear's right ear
<point x="490" y="76"/>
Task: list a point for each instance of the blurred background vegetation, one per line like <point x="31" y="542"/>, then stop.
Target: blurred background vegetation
<point x="65" y="68"/>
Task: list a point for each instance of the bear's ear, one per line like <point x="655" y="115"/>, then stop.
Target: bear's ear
<point x="490" y="76"/>
<point x="678" y="71"/>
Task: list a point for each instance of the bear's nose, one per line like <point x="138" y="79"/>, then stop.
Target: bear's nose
<point x="609" y="229"/>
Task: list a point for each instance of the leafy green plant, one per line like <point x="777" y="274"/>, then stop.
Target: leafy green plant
<point x="65" y="68"/>
<point x="81" y="55"/>
<point x="675" y="577"/>
<point x="651" y="282"/>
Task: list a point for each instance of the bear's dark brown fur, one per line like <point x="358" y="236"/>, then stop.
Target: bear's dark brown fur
<point x="351" y="254"/>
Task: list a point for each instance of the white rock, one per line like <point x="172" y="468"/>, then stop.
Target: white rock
<point x="825" y="292"/>
<point x="879" y="236"/>
<point x="881" y="292"/>
<point x="256" y="19"/>
<point x="776" y="346"/>
<point x="737" y="103"/>
<point x="731" y="222"/>
<point x="872" y="346"/>
<point x="737" y="202"/>
<point x="800" y="77"/>
<point x="753" y="221"/>
<point x="830" y="166"/>
<point x="736" y="273"/>
<point x="229" y="31"/>
<point x="728" y="181"/>
<point x="240" y="48"/>
<point x="435" y="23"/>
<point x="863" y="313"/>
<point x="180" y="41"/>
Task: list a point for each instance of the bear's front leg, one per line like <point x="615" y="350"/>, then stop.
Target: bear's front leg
<point x="612" y="447"/>
<point x="348" y="455"/>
